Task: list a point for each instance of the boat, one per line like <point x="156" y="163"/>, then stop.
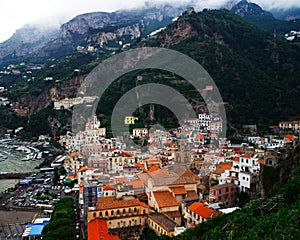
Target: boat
<point x="28" y="157"/>
<point x="39" y="155"/>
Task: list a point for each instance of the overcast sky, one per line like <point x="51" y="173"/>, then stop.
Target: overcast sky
<point x="16" y="13"/>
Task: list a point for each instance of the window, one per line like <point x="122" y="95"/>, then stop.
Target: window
<point x="118" y="211"/>
<point x="100" y="214"/>
<point x="227" y="189"/>
<point x="112" y="212"/>
<point x="106" y="213"/>
<point x="124" y="211"/>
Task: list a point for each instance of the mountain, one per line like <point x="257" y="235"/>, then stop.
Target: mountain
<point x="257" y="75"/>
<point x="24" y="42"/>
<point x="264" y="19"/>
<point x="96" y="30"/>
<point x="246" y="9"/>
<point x="286" y="14"/>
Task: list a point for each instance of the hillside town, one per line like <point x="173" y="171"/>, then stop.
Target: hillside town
<point x="217" y="175"/>
<point x="180" y="181"/>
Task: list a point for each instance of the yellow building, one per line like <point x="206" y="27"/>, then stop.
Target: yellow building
<point x="124" y="217"/>
<point x="161" y="225"/>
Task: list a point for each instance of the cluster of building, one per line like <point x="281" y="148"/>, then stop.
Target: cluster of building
<point x="67" y="103"/>
<point x="179" y="182"/>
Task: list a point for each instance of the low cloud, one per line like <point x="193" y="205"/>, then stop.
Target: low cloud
<point x="14" y="13"/>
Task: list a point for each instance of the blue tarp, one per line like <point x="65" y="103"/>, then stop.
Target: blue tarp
<point x="36" y="228"/>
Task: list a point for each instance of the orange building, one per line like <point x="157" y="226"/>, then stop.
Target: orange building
<point x="97" y="229"/>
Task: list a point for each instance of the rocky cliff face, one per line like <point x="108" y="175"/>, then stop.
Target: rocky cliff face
<point x="100" y="27"/>
<point x="245" y="8"/>
<point x="57" y="92"/>
<point x="25" y="41"/>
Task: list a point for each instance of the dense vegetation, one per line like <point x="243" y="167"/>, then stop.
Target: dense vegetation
<point x="61" y="226"/>
<point x="257" y="75"/>
<point x="273" y="25"/>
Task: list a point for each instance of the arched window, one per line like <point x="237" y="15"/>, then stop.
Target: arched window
<point x="106" y="213"/>
<point x="112" y="212"/>
<point x="118" y="211"/>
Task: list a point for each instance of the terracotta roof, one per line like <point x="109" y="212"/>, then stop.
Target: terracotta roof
<point x="84" y="168"/>
<point x="144" y="177"/>
<point x="172" y="214"/>
<point x="289" y="137"/>
<point x="218" y="171"/>
<point x="97" y="229"/>
<point x="200" y="136"/>
<point x="140" y="165"/>
<point x="225" y="166"/>
<point x="113" y="149"/>
<point x="121" y="179"/>
<point x="136" y="183"/>
<point x="178" y="190"/>
<point x="72" y="175"/>
<point x="192" y="194"/>
<point x="153" y="168"/>
<point x="105" y="203"/>
<point x="107" y="188"/>
<point x="247" y="155"/>
<point x="73" y="154"/>
<point x="165" y="199"/>
<point x="196" y="177"/>
<point x="261" y="161"/>
<point x="124" y="154"/>
<point x="201" y="209"/>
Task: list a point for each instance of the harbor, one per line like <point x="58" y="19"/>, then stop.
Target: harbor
<point x="19" y="159"/>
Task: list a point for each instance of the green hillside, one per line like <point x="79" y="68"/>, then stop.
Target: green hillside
<point x="257" y="75"/>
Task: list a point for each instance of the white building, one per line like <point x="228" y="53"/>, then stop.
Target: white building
<point x="140" y="132"/>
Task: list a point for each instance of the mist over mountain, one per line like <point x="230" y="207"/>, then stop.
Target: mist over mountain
<point x="25" y="41"/>
<point x="36" y="43"/>
<point x="90" y="29"/>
